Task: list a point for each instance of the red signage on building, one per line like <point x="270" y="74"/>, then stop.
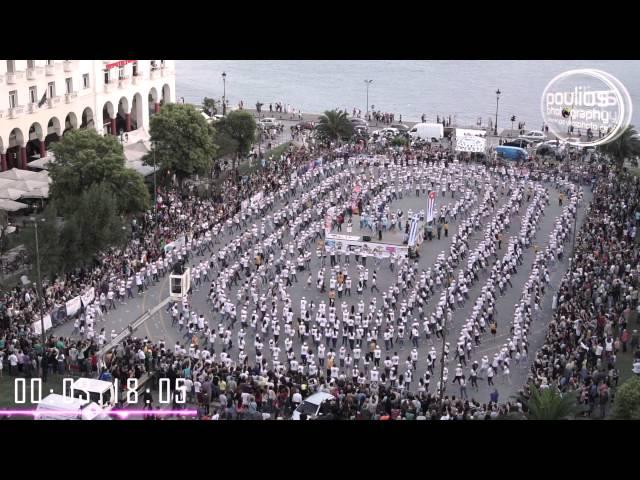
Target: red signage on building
<point x="119" y="63"/>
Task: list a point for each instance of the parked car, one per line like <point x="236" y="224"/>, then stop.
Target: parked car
<point x="534" y="135"/>
<point x="359" y="121"/>
<point x="400" y="127"/>
<point x="305" y="125"/>
<point x="311" y="405"/>
<point x="518" y="142"/>
<point x="386" y="132"/>
<point x="269" y="122"/>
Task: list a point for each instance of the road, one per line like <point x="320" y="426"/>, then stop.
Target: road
<point x="159" y="325"/>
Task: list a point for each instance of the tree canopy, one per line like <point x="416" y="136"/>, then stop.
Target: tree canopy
<point x="237" y="130"/>
<point x="74" y="242"/>
<point x="209" y="106"/>
<point x="625" y="147"/>
<point x="182" y="140"/>
<point x="626" y="405"/>
<point x="84" y="159"/>
<point x="550" y="404"/>
<point x="334" y="126"/>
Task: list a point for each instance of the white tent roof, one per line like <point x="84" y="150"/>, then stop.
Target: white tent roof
<point x="11" y="206"/>
<point x="134" y="152"/>
<point x="11" y="193"/>
<point x="17" y="174"/>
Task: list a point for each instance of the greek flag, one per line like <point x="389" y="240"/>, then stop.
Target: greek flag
<point x="413" y="231"/>
<point x="430" y="204"/>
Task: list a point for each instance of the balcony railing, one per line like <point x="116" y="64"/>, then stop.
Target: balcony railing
<point x="123" y="82"/>
<point x="68" y="65"/>
<point x="13" y="77"/>
<point x="16" y="111"/>
<point x="53" y="101"/>
<point x="70" y="97"/>
<point x="33" y="107"/>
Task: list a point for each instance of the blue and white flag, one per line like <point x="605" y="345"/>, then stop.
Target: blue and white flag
<point x="430" y="204"/>
<point x="413" y="231"/>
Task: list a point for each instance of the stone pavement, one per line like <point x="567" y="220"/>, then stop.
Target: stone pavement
<point x="159" y="325"/>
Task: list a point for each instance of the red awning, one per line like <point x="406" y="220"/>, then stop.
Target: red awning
<point x="119" y="63"/>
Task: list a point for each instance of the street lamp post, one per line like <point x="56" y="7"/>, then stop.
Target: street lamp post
<point x="495" y="131"/>
<point x="39" y="285"/>
<point x="368" y="82"/>
<point x="224" y="93"/>
<point x="155" y="187"/>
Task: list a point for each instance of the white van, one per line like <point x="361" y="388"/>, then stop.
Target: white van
<point x="427" y="131"/>
<point x="101" y="392"/>
<point x="311" y="405"/>
<point x="58" y="407"/>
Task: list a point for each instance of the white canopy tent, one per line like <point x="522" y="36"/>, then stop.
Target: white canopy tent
<point x="11" y="206"/>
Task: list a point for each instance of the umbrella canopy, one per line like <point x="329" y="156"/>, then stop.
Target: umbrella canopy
<point x="11" y="193"/>
<point x="17" y="174"/>
<point x="33" y="184"/>
<point x="11" y="206"/>
<point x="39" y="192"/>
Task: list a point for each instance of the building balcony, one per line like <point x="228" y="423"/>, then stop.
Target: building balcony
<point x="68" y="65"/>
<point x="33" y="107"/>
<point x="34" y="73"/>
<point x="15" y="112"/>
<point x="54" y="101"/>
<point x="50" y="70"/>
<point x="123" y="82"/>
<point x="14" y="77"/>
<point x="70" y="97"/>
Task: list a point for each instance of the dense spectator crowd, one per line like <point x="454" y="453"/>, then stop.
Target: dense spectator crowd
<point x="593" y="305"/>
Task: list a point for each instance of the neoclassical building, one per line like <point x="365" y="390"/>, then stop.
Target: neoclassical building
<point x="40" y="100"/>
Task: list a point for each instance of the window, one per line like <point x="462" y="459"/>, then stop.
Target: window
<point x="69" y="84"/>
<point x="31" y="64"/>
<point x="49" y="62"/>
<point x="106" y="76"/>
<point x="153" y="65"/>
<point x="11" y="66"/>
<point x="161" y="63"/>
<point x="120" y="73"/>
<point x="85" y="80"/>
<point x="13" y="99"/>
<point x="51" y="89"/>
<point x="135" y="69"/>
<point x="33" y="95"/>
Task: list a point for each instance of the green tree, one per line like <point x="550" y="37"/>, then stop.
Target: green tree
<point x="85" y="159"/>
<point x="74" y="241"/>
<point x="625" y="147"/>
<point x="237" y="129"/>
<point x="209" y="106"/>
<point x="334" y="126"/>
<point x="400" y="141"/>
<point x="97" y="221"/>
<point x="626" y="405"/>
<point x="182" y="140"/>
<point x="550" y="404"/>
